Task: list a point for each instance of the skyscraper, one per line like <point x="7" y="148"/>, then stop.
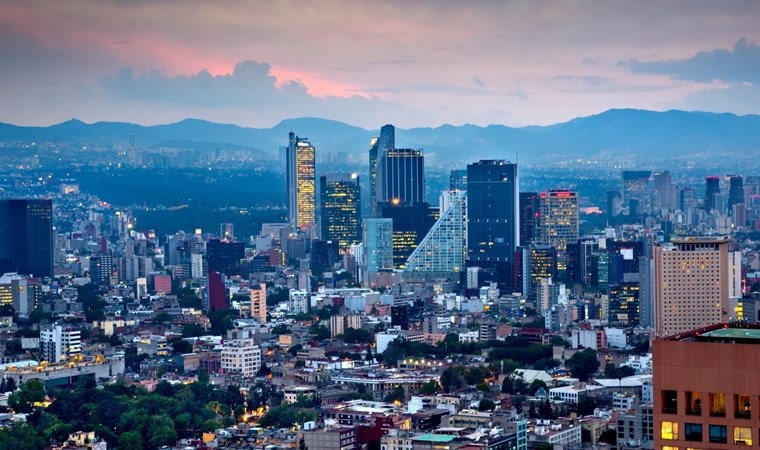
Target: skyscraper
<point x="340" y="209"/>
<point x="301" y="182"/>
<point x="712" y="187"/>
<point x="400" y="176"/>
<point x="492" y="214"/>
<point x="735" y="191"/>
<point x="442" y="251"/>
<point x="558" y="218"/>
<point x="373" y="149"/>
<point x="458" y="180"/>
<point x="378" y="247"/>
<point x="694" y="279"/>
<point x="387" y="140"/>
<point x="411" y="222"/>
<point x="635" y="191"/>
<point x="529" y="212"/>
<point x="26" y="237"/>
<point x="665" y="191"/>
<point x="225" y="256"/>
<point x="540" y="263"/>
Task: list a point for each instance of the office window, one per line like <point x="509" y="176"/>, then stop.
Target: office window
<point x="742" y="436"/>
<point x="718" y="434"/>
<point x="668" y="447"/>
<point x="693" y="403"/>
<point x="717" y="404"/>
<point x="669" y="402"/>
<point x="693" y="432"/>
<point x="742" y="406"/>
<point x="669" y="431"/>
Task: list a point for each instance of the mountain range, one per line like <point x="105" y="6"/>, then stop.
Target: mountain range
<point x="617" y="133"/>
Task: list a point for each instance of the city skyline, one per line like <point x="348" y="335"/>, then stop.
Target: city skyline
<point x="539" y="63"/>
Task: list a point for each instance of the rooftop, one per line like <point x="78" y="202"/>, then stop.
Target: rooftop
<point x="434" y="437"/>
<point x="728" y="333"/>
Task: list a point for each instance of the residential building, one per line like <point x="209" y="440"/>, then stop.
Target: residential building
<point x="59" y="343"/>
<point x="240" y="354"/>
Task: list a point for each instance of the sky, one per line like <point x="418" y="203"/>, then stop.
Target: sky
<point x="367" y="63"/>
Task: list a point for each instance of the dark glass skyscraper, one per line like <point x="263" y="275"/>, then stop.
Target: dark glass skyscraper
<point x="712" y="187"/>
<point x="373" y="150"/>
<point x="492" y="215"/>
<point x="225" y="256"/>
<point x="529" y="208"/>
<point x="340" y="209"/>
<point x="26" y="236"/>
<point x="400" y="176"/>
<point x="735" y="192"/>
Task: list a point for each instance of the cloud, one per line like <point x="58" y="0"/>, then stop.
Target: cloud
<point x="739" y="99"/>
<point x="741" y="64"/>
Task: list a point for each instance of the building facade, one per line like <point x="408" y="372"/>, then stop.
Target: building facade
<point x="340" y="209"/>
<point x="301" y="182"/>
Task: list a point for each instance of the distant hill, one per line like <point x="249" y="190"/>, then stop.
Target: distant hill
<point x="650" y="134"/>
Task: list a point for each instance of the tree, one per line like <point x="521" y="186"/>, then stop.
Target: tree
<point x="486" y="405"/>
<point x="130" y="440"/>
<point x="451" y="380"/>
<point x="536" y="385"/>
<point x="610" y="371"/>
<point x="430" y="388"/>
<point x="193" y="330"/>
<point x="320" y="332"/>
<point x="29" y="393"/>
<point x="583" y="364"/>
<point x="280" y="329"/>
<point x="397" y="394"/>
<point x="302" y="444"/>
<point x="181" y="346"/>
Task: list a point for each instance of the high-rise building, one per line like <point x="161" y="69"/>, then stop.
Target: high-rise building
<point x="373" y="151"/>
<point x="458" y="180"/>
<point x="712" y="187"/>
<point x="26" y="237"/>
<point x="400" y="176"/>
<point x="227" y="231"/>
<point x="101" y="267"/>
<point x="735" y="191"/>
<point x="665" y="191"/>
<point x="59" y="343"/>
<point x="635" y="190"/>
<point x="225" y="256"/>
<point x="378" y="247"/>
<point x="387" y="140"/>
<point x="340" y="209"/>
<point x="443" y="249"/>
<point x="529" y="213"/>
<point x="340" y="323"/>
<point x="624" y="306"/>
<point x="216" y="292"/>
<point x="614" y="203"/>
<point x="411" y="222"/>
<point x="240" y="354"/>
<point x="540" y="263"/>
<point x="558" y="221"/>
<point x="706" y="386"/>
<point x="492" y="215"/>
<point x="259" y="303"/>
<point x="694" y="279"/>
<point x="301" y="182"/>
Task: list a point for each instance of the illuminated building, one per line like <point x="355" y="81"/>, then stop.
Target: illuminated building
<point x="492" y="215"/>
<point x="707" y="385"/>
<point x="558" y="222"/>
<point x="411" y="222"/>
<point x="340" y="209"/>
<point x="240" y="354"/>
<point x="259" y="303"/>
<point x="443" y="249"/>
<point x="694" y="279"/>
<point x="301" y="182"/>
<point x="624" y="305"/>
<point x="227" y="231"/>
<point x="26" y="241"/>
<point x="540" y="263"/>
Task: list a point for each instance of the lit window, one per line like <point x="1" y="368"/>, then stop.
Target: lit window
<point x="742" y="436"/>
<point x="669" y="431"/>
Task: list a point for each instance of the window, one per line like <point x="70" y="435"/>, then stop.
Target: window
<point x="742" y="436"/>
<point x="693" y="403"/>
<point x="717" y="404"/>
<point x="693" y="432"/>
<point x="669" y="431"/>
<point x="669" y="402"/>
<point x="668" y="447"/>
<point x="742" y="406"/>
<point x="718" y="434"/>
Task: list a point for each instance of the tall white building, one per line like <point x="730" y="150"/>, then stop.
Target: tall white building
<point x="196" y="266"/>
<point x="240" y="355"/>
<point x="59" y="344"/>
<point x="298" y="301"/>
